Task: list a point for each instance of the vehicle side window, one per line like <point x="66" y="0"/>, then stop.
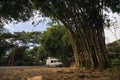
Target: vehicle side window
<point x="54" y="61"/>
<point x="51" y="61"/>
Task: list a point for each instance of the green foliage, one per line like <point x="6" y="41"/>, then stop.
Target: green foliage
<point x="116" y="62"/>
<point x="17" y="9"/>
<point x="43" y="54"/>
<point x="51" y="39"/>
<point x="28" y="37"/>
<point x="4" y="46"/>
<point x="114" y="46"/>
<point x="13" y="54"/>
<point x="17" y="55"/>
<point x="55" y="42"/>
<point x="21" y="56"/>
<point x="23" y="9"/>
<point x="83" y="19"/>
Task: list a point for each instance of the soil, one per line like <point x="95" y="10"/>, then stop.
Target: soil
<point x="59" y="74"/>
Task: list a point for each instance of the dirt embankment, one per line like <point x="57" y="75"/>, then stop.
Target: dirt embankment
<point x="58" y="74"/>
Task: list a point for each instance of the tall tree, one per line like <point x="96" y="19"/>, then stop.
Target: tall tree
<point x="16" y="56"/>
<point x="10" y="49"/>
<point x="55" y="42"/>
<point x="4" y="46"/>
<point x="83" y="18"/>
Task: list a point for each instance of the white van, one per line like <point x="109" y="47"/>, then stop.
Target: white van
<point x="53" y="62"/>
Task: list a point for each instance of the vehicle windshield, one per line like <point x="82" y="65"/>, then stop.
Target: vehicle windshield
<point x="58" y="61"/>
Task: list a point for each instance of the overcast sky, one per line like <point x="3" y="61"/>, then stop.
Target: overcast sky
<point x="28" y="27"/>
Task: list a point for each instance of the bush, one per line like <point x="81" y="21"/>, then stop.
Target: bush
<point x="116" y="61"/>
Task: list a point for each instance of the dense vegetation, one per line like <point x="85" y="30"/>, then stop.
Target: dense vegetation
<point x="84" y="19"/>
<point x="114" y="48"/>
<point x="54" y="42"/>
<point x="13" y="46"/>
<point x="16" y="48"/>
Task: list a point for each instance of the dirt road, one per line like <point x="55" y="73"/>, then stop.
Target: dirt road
<point x="57" y="74"/>
<point x="21" y="67"/>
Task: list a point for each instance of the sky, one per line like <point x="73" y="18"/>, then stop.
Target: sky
<point x="29" y="27"/>
<point x="113" y="31"/>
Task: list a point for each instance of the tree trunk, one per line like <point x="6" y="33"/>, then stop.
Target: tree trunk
<point x="84" y="20"/>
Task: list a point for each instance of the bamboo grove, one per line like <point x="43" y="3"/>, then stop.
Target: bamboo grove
<point x="84" y="20"/>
